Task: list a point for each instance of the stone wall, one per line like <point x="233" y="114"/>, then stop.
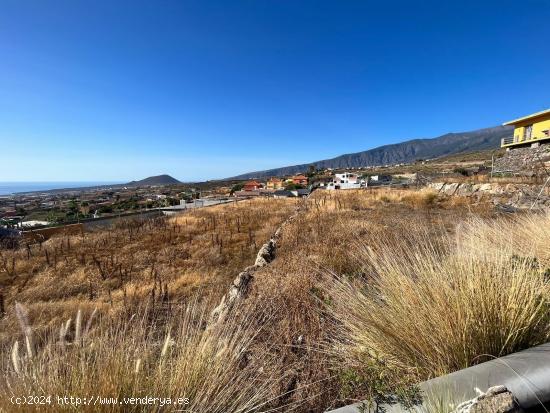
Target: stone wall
<point x="524" y="161"/>
<point x="520" y="196"/>
<point x="238" y="290"/>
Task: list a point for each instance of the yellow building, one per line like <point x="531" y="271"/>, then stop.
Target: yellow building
<point x="531" y="130"/>
<point x="274" y="183"/>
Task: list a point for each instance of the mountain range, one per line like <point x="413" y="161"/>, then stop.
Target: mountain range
<point x="404" y="152"/>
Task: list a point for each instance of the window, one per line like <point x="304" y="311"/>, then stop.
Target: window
<point x="527" y="132"/>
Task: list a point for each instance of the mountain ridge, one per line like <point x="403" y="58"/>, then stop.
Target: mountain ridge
<point x="403" y="152"/>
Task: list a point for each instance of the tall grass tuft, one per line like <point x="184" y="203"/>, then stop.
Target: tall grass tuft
<point x="439" y="305"/>
<point x="211" y="367"/>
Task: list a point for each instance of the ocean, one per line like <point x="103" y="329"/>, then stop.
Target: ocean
<point x="8" y="188"/>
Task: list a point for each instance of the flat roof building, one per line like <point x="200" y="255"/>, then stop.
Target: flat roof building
<point x="530" y="130"/>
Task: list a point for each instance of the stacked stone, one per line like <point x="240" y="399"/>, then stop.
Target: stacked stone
<point x="520" y="196"/>
<point x="524" y="161"/>
<point x="240" y="286"/>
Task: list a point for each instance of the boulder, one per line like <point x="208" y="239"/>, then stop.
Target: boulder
<point x="438" y="186"/>
<point x="266" y="254"/>
<point x="238" y="290"/>
<point x="485" y="187"/>
<point x="450" y="189"/>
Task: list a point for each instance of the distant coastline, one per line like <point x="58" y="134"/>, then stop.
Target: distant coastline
<point x="13" y="188"/>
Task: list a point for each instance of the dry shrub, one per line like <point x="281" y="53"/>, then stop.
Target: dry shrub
<point x="296" y="333"/>
<point x="182" y="358"/>
<point x="325" y="237"/>
<point x="526" y="235"/>
<point x="438" y="305"/>
<point x="369" y="198"/>
<point x="414" y="198"/>
<point x="421" y="199"/>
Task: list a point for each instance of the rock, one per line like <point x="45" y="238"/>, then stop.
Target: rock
<point x="497" y="399"/>
<point x="241" y="284"/>
<point x="509" y="209"/>
<point x="498" y="189"/>
<point x="266" y="254"/>
<point x="485" y="188"/>
<point x="517" y="196"/>
<point x="438" y="186"/>
<point x="238" y="290"/>
<point x="464" y="189"/>
<point x="450" y="189"/>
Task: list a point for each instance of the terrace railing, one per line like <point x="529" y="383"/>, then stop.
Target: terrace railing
<point x="507" y="140"/>
<point x="513" y="139"/>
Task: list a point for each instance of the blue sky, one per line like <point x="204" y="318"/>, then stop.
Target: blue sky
<point x="120" y="90"/>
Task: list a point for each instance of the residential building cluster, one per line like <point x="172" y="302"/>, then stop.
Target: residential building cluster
<point x="301" y="185"/>
<point x="294" y="186"/>
<point x="37" y="209"/>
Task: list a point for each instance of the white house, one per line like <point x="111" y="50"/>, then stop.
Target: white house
<point x="346" y="180"/>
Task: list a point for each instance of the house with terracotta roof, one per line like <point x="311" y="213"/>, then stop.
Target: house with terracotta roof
<point x="252" y="186"/>
<point x="274" y="183"/>
<point x="299" y="180"/>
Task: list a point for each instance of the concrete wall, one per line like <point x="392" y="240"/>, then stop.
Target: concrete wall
<point x="86" y="225"/>
<point x="45" y="233"/>
<point x="106" y="222"/>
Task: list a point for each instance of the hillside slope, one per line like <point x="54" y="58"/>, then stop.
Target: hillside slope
<point x="155" y="180"/>
<point x="408" y="151"/>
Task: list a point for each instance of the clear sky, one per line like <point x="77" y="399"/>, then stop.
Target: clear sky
<point x="119" y="90"/>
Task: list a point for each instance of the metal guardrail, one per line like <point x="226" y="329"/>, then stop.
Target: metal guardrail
<point x="526" y="374"/>
<point x="507" y="141"/>
<point x="512" y="139"/>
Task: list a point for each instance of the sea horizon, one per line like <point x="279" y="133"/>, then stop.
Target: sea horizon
<point x="14" y="187"/>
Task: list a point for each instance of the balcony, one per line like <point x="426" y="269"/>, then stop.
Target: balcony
<point x="512" y="140"/>
<point x="507" y="141"/>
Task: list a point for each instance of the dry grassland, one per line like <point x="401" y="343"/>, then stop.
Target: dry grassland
<point x="370" y="291"/>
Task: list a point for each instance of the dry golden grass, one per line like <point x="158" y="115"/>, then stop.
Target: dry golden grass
<point x="357" y="200"/>
<point x="326" y="237"/>
<point x="435" y="305"/>
<point x="123" y="359"/>
<point x="525" y="236"/>
<point x="425" y="282"/>
<point x="154" y="261"/>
